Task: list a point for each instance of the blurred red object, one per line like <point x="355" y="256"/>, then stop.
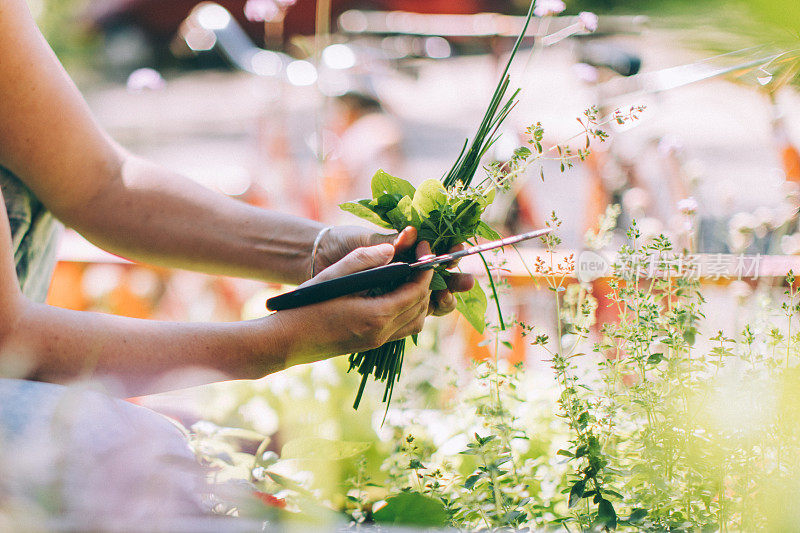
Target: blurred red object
<point x="271" y="501"/>
<point x="160" y="20"/>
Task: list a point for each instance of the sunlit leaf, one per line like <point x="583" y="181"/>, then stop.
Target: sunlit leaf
<point x="412" y="509"/>
<point x="385" y="183"/>
<point x="472" y="305"/>
<point x="431" y="195"/>
<point x="365" y="213"/>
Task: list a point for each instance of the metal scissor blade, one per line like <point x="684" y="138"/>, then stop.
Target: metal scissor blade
<point x="508" y="241"/>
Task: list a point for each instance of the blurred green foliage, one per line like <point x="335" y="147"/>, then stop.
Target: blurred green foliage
<point x="64" y="28"/>
<point x="783" y="14"/>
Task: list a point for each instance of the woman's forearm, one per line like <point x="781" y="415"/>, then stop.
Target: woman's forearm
<point x="153" y="215"/>
<point x="60" y="345"/>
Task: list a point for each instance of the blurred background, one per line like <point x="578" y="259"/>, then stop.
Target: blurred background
<point x="294" y="104"/>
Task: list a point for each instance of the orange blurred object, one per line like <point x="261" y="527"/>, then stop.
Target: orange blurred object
<point x="65" y="288"/>
<point x="791" y="163"/>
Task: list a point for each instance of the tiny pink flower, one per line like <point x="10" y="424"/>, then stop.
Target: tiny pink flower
<point x="546" y="8"/>
<point x="588" y="21"/>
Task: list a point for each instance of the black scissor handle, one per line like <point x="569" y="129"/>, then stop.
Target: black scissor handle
<point x="373" y="278"/>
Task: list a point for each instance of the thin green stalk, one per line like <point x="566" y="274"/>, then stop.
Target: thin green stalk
<point x="494" y="293"/>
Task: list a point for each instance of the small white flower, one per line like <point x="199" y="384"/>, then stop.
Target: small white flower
<point x="588" y="21"/>
<point x="546" y="8"/>
<point x="688" y="206"/>
<point x="145" y="79"/>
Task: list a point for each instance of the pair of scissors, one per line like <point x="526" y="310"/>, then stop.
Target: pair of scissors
<point x="384" y="276"/>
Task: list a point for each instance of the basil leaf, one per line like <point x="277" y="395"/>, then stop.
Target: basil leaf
<point x="385" y="202"/>
<point x="385" y="183"/>
<point x="485" y="230"/>
<point x="431" y="195"/>
<point x="438" y="283"/>
<point x="366" y="213"/>
<point x="472" y="304"/>
<point x="403" y="215"/>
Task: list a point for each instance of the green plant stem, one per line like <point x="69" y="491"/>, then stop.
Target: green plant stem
<point x="789" y="329"/>
<point x="494" y="293"/>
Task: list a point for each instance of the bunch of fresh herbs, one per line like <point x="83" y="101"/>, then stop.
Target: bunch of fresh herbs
<point x="445" y="213"/>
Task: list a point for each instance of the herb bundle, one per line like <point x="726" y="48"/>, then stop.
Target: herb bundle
<point x="445" y="213"/>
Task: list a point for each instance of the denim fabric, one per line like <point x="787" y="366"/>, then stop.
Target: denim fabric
<point x="95" y="457"/>
<point x="34" y="236"/>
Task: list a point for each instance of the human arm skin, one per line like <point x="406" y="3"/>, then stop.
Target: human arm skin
<point x="49" y="139"/>
<point x="60" y="345"/>
<point x="134" y="208"/>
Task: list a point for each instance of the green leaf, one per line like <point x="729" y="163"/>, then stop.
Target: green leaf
<point x="412" y="509"/>
<point x="514" y="517"/>
<point x="637" y="515"/>
<point x="469" y="483"/>
<point x="366" y="213"/>
<point x="472" y="304"/>
<point x="565" y="453"/>
<point x="522" y="152"/>
<point x="384" y="203"/>
<point x="607" y="514"/>
<point x="404" y="215"/>
<point x="576" y="493"/>
<point x="489" y="198"/>
<point x="287" y="483"/>
<point x="430" y="196"/>
<point x="485" y="230"/>
<point x="322" y="449"/>
<point x="469" y="214"/>
<point x="415" y="464"/>
<point x="385" y="183"/>
<point x="438" y="283"/>
<point x="655" y="358"/>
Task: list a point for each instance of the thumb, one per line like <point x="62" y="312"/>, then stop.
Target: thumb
<point x="358" y="260"/>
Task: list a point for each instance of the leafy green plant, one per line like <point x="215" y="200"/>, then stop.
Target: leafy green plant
<point x="651" y="423"/>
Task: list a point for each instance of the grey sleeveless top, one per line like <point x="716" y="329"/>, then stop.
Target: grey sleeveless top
<point x="34" y="236"/>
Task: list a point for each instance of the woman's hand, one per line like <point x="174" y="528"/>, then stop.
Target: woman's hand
<point x="342" y="239"/>
<point x="357" y="322"/>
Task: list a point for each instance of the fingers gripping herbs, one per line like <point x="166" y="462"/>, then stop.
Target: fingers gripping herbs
<point x="443" y="218"/>
<point x="445" y="214"/>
